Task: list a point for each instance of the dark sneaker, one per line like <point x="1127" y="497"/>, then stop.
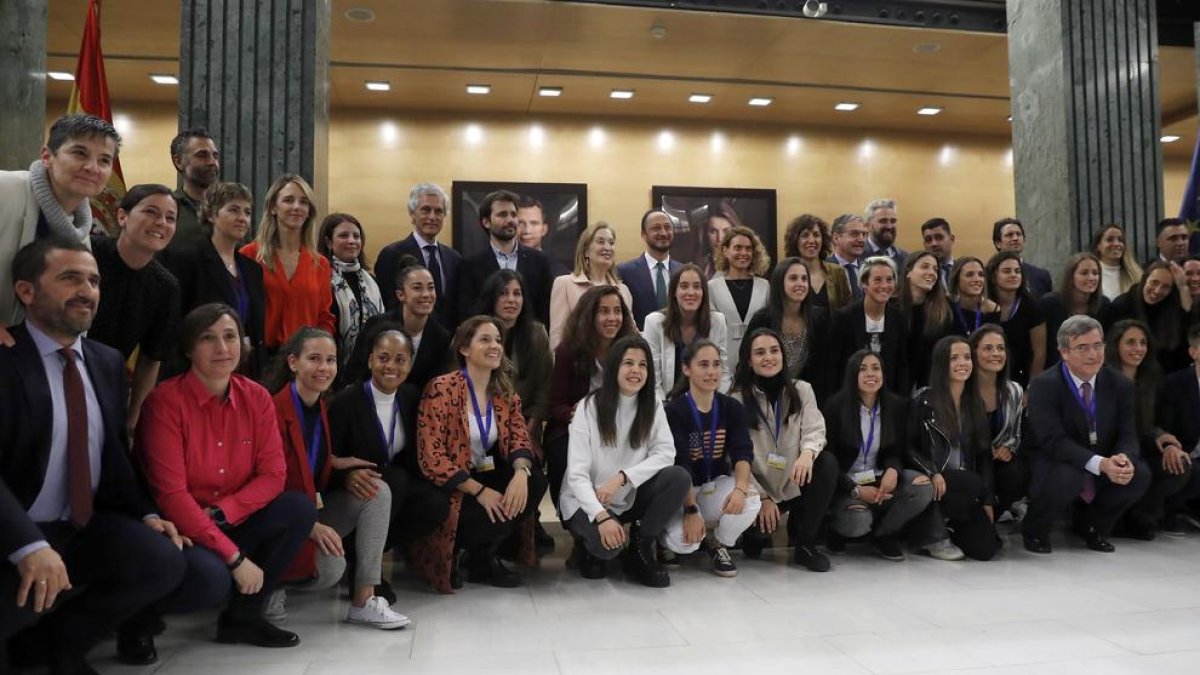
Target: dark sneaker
<point x="1172" y="526"/>
<point x="667" y="557"/>
<point x="722" y="562"/>
<point x="810" y="557"/>
<point x="888" y="548"/>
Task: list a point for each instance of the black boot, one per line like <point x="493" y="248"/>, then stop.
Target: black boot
<point x="456" y="562"/>
<point x="484" y="567"/>
<point x="641" y="563"/>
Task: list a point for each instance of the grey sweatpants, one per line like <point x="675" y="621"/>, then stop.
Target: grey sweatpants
<point x="369" y="521"/>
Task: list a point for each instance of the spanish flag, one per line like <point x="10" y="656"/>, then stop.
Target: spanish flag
<point x="90" y="95"/>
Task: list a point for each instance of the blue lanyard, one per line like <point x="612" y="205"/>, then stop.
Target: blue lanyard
<point x="963" y="320"/>
<point x="314" y="444"/>
<point x="1016" y="306"/>
<point x="1089" y="412"/>
<point x="711" y="450"/>
<point x="485" y="430"/>
<point x="388" y="438"/>
<point x="778" y="421"/>
<point x="866" y="447"/>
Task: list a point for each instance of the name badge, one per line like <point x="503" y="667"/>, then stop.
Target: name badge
<point x="863" y="477"/>
<point x="708" y="488"/>
<point x="488" y="464"/>
<point x="1092" y="438"/>
<point x="320" y="502"/>
<point x="776" y="461"/>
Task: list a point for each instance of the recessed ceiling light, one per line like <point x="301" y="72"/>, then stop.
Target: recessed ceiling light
<point x="699" y="98"/>
<point x="379" y="86"/>
<point x="60" y="75"/>
<point x="479" y="89"/>
<point x="621" y="93"/>
<point x="927" y="48"/>
<point x="1169" y="138"/>
<point x="550" y="91"/>
<point x="846" y="106"/>
<point x="1010" y="118"/>
<point x="760" y="101"/>
<point x="930" y="110"/>
<point x="164" y="79"/>
<point x="360" y="14"/>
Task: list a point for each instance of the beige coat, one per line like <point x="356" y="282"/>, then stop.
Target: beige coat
<point x="803" y="432"/>
<point x="18" y="224"/>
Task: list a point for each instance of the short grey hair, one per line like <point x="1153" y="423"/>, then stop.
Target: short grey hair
<point x="864" y="267"/>
<point x="414" y="195"/>
<point x="1074" y="326"/>
<point x="840" y="223"/>
<point x="876" y="205"/>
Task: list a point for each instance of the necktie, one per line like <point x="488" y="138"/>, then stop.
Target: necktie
<point x="852" y="274"/>
<point x="79" y="465"/>
<point x="435" y="268"/>
<point x="660" y="285"/>
<point x="1088" y="493"/>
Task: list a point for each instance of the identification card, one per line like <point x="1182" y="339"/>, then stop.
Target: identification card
<point x="488" y="464"/>
<point x="320" y="502"/>
<point x="708" y="488"/>
<point x="776" y="461"/>
<point x="1092" y="438"/>
<point x="863" y="477"/>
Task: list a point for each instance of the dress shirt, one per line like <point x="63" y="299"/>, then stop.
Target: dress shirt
<point x="652" y="263"/>
<point x="201" y="451"/>
<point x="303" y="300"/>
<point x="480" y="450"/>
<point x="426" y="254"/>
<point x="506" y="261"/>
<point x="1093" y="464"/>
<point x="868" y="463"/>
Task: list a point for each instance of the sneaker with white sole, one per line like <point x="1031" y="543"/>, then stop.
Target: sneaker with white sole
<point x="722" y="562"/>
<point x="377" y="614"/>
<point x="275" y="609"/>
<point x="944" y="550"/>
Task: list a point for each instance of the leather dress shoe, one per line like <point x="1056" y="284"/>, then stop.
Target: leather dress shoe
<point x="1096" y="541"/>
<point x="259" y="633"/>
<point x="136" y="648"/>
<point x="1035" y="544"/>
<point x="484" y="567"/>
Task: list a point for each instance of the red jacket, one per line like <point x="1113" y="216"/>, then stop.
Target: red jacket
<point x="299" y="476"/>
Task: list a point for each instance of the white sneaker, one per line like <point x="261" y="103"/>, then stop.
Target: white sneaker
<point x="377" y="614"/>
<point x="944" y="550"/>
<point x="275" y="610"/>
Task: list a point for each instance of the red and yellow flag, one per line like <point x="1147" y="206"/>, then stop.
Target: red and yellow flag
<point x="90" y="95"/>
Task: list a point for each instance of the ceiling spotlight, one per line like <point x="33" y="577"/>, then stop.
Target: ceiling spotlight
<point x="360" y="15"/>
<point x="658" y="31"/>
<point x="61" y="76"/>
<point x="1169" y="138"/>
<point x="164" y="79"/>
<point x="699" y="98"/>
<point x="550" y="91"/>
<point x="621" y="93"/>
<point x="379" y="86"/>
<point x="479" y="89"/>
<point x="846" y="106"/>
<point x="814" y="9"/>
<point x="760" y="101"/>
<point x="930" y="110"/>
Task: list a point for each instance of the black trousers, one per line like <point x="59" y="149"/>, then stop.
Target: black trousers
<point x="654" y="504"/>
<point x="1055" y="485"/>
<point x="556" y="465"/>
<point x="271" y="537"/>
<point x="806" y="512"/>
<point x="1168" y="493"/>
<point x="116" y="565"/>
<point x="960" y="516"/>
<point x="418" y="506"/>
<point x="1012" y="481"/>
<point x="475" y="529"/>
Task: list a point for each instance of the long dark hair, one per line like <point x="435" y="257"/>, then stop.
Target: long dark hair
<point x="1002" y="376"/>
<point x="774" y="308"/>
<point x="937" y="305"/>
<point x="956" y="273"/>
<point x="689" y="353"/>
<point x="609" y="394"/>
<point x="673" y="325"/>
<point x="777" y="388"/>
<point x="993" y="268"/>
<point x="849" y="410"/>
<point x="580" y="332"/>
<point x="1167" y="322"/>
<point x="518" y="340"/>
<point x="279" y="374"/>
<point x="968" y="416"/>
<point x="1149" y="373"/>
<point x="325" y="237"/>
<point x="1066" y="283"/>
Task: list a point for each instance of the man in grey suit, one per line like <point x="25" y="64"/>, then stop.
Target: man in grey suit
<point x="648" y="276"/>
<point x="880" y="215"/>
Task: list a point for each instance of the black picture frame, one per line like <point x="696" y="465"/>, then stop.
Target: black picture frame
<point x="691" y="209"/>
<point x="564" y="210"/>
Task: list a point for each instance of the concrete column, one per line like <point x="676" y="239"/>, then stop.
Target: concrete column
<point x="23" y="81"/>
<point x="255" y="73"/>
<point x="1084" y="77"/>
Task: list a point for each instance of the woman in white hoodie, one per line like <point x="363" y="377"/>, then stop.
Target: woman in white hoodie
<point x="621" y="469"/>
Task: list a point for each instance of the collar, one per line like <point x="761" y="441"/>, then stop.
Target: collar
<point x="842" y="262"/>
<point x="1078" y="382"/>
<point x="652" y="262"/>
<point x="47" y="345"/>
<point x="202" y="396"/>
<point x="184" y="198"/>
<point x="500" y="252"/>
<point x="421" y="241"/>
<point x="890" y="251"/>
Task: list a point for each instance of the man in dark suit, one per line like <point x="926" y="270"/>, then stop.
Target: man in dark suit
<point x="498" y="215"/>
<point x="881" y="220"/>
<point x="77" y="531"/>
<point x="648" y="276"/>
<point x="1084" y="441"/>
<point x="849" y="234"/>
<point x="427" y="209"/>
<point x="1170" y="241"/>
<point x="1008" y="234"/>
<point x="937" y="239"/>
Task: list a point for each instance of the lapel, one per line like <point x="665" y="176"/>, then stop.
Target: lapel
<point x="758" y="294"/>
<point x="722" y="300"/>
<point x="370" y="423"/>
<point x="213" y="268"/>
<point x="28" y="363"/>
<point x="108" y="391"/>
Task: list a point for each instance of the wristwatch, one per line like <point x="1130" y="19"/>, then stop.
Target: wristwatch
<point x="689" y="510"/>
<point x="218" y="517"/>
<point x="526" y="469"/>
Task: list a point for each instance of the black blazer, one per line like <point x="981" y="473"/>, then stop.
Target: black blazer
<point x="203" y="279"/>
<point x="354" y="429"/>
<point x="1058" y="426"/>
<point x="636" y="277"/>
<point x="1178" y="407"/>
<point x="849" y="334"/>
<point x="1037" y="280"/>
<point x="388" y="263"/>
<point x="25" y="427"/>
<point x="533" y="265"/>
<point x="843" y="433"/>
<point x="433" y="356"/>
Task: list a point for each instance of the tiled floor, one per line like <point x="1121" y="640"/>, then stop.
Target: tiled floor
<point x="1135" y="611"/>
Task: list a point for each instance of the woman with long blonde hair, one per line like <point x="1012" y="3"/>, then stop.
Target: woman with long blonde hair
<point x="595" y="265"/>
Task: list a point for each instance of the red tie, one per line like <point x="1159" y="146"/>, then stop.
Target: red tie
<point x="79" y="464"/>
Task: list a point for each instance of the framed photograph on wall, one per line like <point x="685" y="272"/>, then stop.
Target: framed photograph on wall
<point x="701" y="215"/>
<point x="550" y="217"/>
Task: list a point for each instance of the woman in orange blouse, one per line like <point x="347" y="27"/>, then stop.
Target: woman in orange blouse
<point x="296" y="277"/>
<point x="472" y="442"/>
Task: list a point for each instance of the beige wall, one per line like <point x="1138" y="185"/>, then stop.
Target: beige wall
<point x="375" y="156"/>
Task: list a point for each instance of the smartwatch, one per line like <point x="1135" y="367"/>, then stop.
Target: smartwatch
<point x="689" y="510"/>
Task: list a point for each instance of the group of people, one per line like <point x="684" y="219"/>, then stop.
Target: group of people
<point x="193" y="420"/>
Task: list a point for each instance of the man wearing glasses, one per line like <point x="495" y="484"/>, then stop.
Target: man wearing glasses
<point x="1085" y="445"/>
<point x="881" y="219"/>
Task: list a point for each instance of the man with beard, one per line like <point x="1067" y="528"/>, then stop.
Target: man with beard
<point x="649" y="275"/>
<point x="77" y="534"/>
<point x="498" y="215"/>
<point x="195" y="156"/>
<point x="881" y="219"/>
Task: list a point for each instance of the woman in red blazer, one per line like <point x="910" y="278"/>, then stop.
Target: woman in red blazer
<point x="306" y="370"/>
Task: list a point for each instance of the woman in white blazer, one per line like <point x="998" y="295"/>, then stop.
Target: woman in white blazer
<point x="686" y="318"/>
<point x="738" y="290"/>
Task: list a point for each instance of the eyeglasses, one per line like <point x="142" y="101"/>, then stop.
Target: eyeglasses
<point x="1095" y="348"/>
